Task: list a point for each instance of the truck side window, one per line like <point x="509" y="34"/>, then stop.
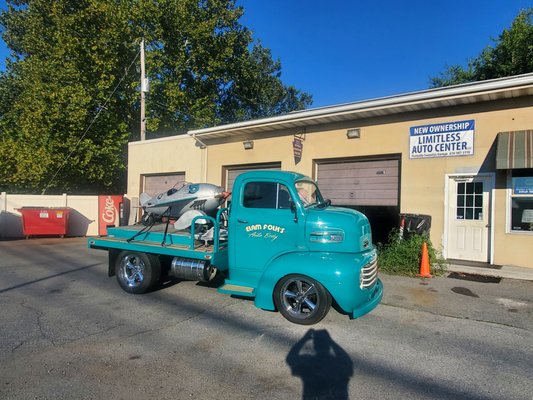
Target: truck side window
<point x="266" y="195"/>
<point x="284" y="197"/>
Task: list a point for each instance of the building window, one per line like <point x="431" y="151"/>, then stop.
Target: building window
<point x="470" y="200"/>
<point x="266" y="195"/>
<point x="522" y="201"/>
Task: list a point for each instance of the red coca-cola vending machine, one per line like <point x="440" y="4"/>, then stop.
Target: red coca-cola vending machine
<point x="110" y="211"/>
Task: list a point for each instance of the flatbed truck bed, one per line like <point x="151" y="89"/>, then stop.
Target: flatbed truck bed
<point x="154" y="240"/>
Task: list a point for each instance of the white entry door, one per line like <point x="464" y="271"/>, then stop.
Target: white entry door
<point x="469" y="218"/>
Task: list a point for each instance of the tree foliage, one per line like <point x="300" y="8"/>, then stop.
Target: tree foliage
<point x="69" y="56"/>
<point x="512" y="54"/>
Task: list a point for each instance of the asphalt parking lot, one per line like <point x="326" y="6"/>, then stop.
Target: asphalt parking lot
<point x="68" y="331"/>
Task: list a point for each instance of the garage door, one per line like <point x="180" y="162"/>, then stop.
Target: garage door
<point x="155" y="184"/>
<point x="234" y="171"/>
<point x="360" y="183"/>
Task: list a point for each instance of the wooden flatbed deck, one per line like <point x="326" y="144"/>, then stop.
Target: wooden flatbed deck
<point x="153" y="240"/>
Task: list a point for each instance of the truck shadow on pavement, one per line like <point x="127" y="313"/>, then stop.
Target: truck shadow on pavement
<point x="323" y="366"/>
<point x="48" y="277"/>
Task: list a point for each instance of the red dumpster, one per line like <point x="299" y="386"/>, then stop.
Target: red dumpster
<point x="44" y="220"/>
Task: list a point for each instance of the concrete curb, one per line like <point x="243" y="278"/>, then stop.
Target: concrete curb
<point x="508" y="272"/>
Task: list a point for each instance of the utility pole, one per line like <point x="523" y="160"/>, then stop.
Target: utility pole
<point x="143" y="93"/>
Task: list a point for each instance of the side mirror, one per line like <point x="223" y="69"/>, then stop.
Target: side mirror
<point x="294" y="211"/>
<point x="325" y="204"/>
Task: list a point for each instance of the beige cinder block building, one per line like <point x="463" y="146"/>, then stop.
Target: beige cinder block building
<point x="462" y="155"/>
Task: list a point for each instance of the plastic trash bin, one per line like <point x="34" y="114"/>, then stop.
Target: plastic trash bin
<point x="410" y="224"/>
<point x="37" y="221"/>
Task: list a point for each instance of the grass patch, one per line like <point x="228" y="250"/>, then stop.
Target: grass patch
<point x="402" y="256"/>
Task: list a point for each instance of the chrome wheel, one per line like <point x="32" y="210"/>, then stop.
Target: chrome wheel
<point x="301" y="299"/>
<point x="137" y="272"/>
<point x="131" y="270"/>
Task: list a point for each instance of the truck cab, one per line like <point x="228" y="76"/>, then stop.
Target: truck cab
<point x="292" y="251"/>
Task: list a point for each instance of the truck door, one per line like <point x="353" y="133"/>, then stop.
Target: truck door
<point x="264" y="227"/>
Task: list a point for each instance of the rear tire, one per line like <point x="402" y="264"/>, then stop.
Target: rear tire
<point x="137" y="272"/>
<point x="147" y="219"/>
<point x="301" y="300"/>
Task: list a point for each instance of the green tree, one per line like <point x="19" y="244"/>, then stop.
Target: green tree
<point x="74" y="60"/>
<point x="512" y="54"/>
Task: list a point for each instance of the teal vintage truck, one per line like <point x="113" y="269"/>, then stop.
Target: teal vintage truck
<point x="278" y="242"/>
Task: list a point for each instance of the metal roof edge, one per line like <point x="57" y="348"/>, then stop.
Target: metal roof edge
<point x="428" y="95"/>
<point x="180" y="136"/>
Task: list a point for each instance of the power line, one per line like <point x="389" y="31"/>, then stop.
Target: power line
<point x="91" y="124"/>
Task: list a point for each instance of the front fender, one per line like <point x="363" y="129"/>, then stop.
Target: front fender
<point x="338" y="272"/>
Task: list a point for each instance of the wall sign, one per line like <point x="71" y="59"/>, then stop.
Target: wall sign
<point x="298" y="148"/>
<point x="448" y="139"/>
<point x="523" y="185"/>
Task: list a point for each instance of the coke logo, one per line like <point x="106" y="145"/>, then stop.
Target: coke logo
<point x="110" y="213"/>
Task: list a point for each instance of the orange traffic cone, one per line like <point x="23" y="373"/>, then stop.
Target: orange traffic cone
<point x="424" y="263"/>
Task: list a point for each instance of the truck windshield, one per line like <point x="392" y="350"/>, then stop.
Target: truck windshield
<point x="308" y="193"/>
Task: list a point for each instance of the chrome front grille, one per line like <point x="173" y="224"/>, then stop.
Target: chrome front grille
<point x="369" y="274"/>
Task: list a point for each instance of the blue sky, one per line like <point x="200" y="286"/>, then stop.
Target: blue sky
<point x="347" y="50"/>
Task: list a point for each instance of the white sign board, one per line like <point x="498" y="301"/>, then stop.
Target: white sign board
<point x="442" y="140"/>
<point x="527" y="217"/>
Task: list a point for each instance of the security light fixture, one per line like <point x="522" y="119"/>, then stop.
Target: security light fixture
<point x="248" y="144"/>
<point x="198" y="143"/>
<point x="354" y="133"/>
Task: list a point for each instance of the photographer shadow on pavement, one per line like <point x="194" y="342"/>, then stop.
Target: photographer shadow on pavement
<point x="324" y="367"/>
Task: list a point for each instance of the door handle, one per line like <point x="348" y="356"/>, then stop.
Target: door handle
<point x="242" y="221"/>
